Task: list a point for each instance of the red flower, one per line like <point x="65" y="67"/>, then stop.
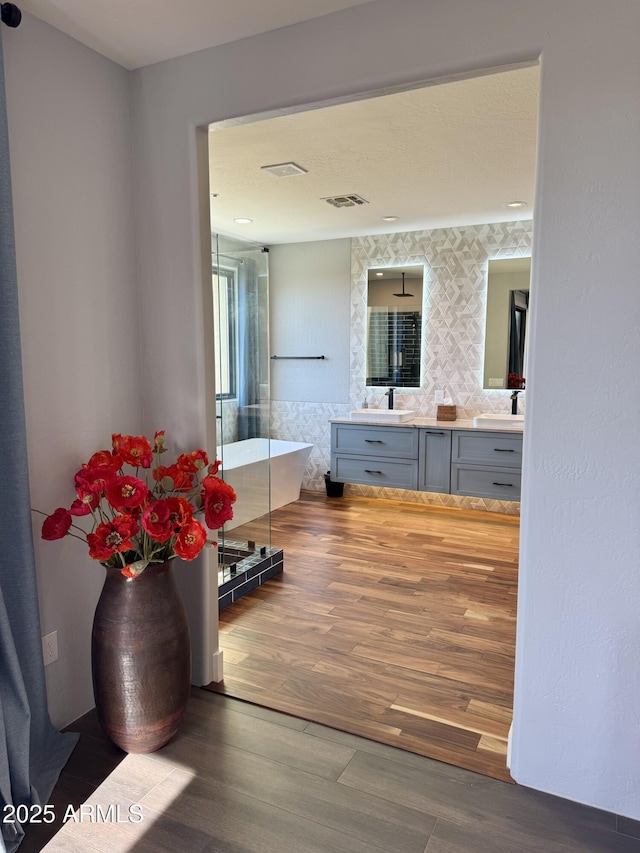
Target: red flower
<point x="181" y="512"/>
<point x="192" y="462"/>
<point x="93" y="482"/>
<point x="217" y="497"/>
<point x="112" y="537"/>
<point x="135" y="450"/>
<point x="56" y="525"/>
<point x="84" y="507"/>
<point x="130" y="522"/>
<point x="156" y="520"/>
<point x="126" y="493"/>
<point x="180" y="480"/>
<point x="164" y="518"/>
<point x="105" y="459"/>
<point x="191" y="540"/>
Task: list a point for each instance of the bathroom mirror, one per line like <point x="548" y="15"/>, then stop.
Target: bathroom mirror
<point x="505" y="351"/>
<point x="394" y="325"/>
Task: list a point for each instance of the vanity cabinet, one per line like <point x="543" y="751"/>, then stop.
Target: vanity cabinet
<point x="486" y="464"/>
<point x="375" y="456"/>
<point x="434" y="460"/>
<point x="476" y="463"/>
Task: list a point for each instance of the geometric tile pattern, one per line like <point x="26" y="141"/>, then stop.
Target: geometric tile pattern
<point x="456" y="262"/>
<point x="308" y="422"/>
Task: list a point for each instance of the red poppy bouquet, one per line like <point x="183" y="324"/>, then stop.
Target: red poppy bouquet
<point x="147" y="516"/>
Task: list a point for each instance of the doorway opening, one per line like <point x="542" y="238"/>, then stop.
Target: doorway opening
<point x="414" y="201"/>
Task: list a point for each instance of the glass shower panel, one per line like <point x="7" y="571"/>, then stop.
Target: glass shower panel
<point x="240" y="281"/>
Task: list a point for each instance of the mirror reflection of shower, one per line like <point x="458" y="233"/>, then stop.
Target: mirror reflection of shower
<point x="394" y="325"/>
<point x="240" y="282"/>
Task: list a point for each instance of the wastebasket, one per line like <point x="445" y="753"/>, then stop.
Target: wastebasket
<point x="334" y="490"/>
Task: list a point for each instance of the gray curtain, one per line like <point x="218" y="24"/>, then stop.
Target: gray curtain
<point x="32" y="752"/>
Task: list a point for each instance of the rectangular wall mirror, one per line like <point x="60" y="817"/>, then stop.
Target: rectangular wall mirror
<point x="505" y="350"/>
<point x="394" y="325"/>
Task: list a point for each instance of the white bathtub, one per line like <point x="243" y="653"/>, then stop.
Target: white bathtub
<point x="259" y="469"/>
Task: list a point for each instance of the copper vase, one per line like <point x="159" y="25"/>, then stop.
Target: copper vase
<point x="141" y="658"/>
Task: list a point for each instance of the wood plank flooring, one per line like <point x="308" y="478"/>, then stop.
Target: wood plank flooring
<point x="393" y="621"/>
<point x="238" y="778"/>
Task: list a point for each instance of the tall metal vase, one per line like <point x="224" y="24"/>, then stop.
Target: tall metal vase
<point x="141" y="658"/>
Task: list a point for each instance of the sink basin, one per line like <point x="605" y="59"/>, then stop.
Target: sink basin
<point x="498" y="421"/>
<point x="385" y="416"/>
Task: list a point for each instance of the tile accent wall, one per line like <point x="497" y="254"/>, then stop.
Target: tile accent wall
<point x="456" y="265"/>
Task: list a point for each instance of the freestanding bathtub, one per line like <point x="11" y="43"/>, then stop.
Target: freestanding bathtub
<point x="259" y="469"/>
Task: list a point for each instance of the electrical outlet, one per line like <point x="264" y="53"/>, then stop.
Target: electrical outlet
<point x="496" y="383"/>
<point x="50" y="647"/>
<point x="439" y="397"/>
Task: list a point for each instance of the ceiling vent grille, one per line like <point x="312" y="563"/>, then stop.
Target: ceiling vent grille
<point x="351" y="200"/>
<point x="284" y="170"/>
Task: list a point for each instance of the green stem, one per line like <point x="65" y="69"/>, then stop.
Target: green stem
<point x="75" y="535"/>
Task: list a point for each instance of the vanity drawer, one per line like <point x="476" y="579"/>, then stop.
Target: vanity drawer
<point x="397" y="442"/>
<point x="392" y="473"/>
<point x="494" y="448"/>
<point x="482" y="481"/>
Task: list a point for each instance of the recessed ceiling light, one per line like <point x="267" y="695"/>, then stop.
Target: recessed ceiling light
<point x="284" y="170"/>
<point x="390" y="218"/>
<point x="241" y="220"/>
<point x="379" y="273"/>
<point x="516" y="204"/>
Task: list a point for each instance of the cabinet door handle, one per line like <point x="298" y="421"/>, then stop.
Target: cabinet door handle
<point x="504" y="449"/>
<point x="373" y="441"/>
<point x="434" y="432"/>
<point x="503" y="484"/>
<point x="369" y="471"/>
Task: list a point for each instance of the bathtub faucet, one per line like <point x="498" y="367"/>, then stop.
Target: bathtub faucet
<point x="389" y="394"/>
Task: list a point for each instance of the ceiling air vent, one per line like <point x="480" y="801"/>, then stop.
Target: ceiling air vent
<point x="351" y="200"/>
<point x="284" y="170"/>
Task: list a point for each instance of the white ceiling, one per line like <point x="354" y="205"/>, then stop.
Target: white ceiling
<point x="451" y="154"/>
<point x="135" y="33"/>
<point x="438" y="156"/>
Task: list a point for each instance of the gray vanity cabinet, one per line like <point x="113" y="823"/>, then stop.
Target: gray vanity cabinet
<point x="434" y="460"/>
<point x="375" y="456"/>
<point x="486" y="464"/>
<point x="476" y="463"/>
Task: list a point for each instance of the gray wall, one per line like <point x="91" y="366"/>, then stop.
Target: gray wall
<point x="577" y="682"/>
<point x="71" y="166"/>
<point x="304" y="279"/>
<point x="577" y="679"/>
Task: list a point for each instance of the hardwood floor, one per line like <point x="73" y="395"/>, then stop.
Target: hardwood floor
<point x="393" y="621"/>
<point x="238" y="778"/>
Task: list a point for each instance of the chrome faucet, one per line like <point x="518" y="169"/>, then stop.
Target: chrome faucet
<point x="514" y="402"/>
<point x="389" y="394"/>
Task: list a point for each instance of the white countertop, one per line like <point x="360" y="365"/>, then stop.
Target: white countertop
<point x="430" y="423"/>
